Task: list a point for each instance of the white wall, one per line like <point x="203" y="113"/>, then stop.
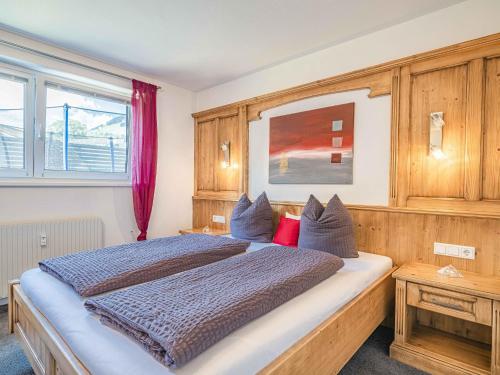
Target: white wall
<point x="172" y="208"/>
<point x="458" y="23"/>
<point x="371" y="152"/>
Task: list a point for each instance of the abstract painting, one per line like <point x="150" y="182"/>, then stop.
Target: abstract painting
<point x="312" y="147"/>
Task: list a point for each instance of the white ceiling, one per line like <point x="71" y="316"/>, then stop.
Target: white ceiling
<point x="201" y="43"/>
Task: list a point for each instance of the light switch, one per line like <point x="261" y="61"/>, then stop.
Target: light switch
<point x="452" y="250"/>
<point x="439" y="248"/>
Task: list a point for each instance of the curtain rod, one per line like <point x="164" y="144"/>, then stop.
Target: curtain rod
<point x="62" y="59"/>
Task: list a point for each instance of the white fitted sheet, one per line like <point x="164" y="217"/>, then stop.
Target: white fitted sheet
<point x="105" y="351"/>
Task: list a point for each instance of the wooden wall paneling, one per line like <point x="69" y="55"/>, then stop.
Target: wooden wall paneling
<point x="444" y="91"/>
<point x="371" y="231"/>
<point x="244" y="142"/>
<point x="406" y="237"/>
<point x="474" y="130"/>
<point x="204" y="209"/>
<point x="393" y="171"/>
<point x="455" y="200"/>
<point x="454" y="57"/>
<point x="403" y="235"/>
<point x="491" y="155"/>
<point x="197" y="142"/>
<point x="448" y="79"/>
<point x="402" y="171"/>
<point x="379" y="83"/>
<point x="215" y="149"/>
<point x="228" y="179"/>
<point x="225" y="111"/>
<point x="205" y="156"/>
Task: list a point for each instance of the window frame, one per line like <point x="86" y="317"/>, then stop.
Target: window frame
<point x="40" y="171"/>
<point x="34" y="173"/>
<point x="28" y="119"/>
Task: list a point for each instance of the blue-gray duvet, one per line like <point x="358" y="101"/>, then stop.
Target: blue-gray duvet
<point x="178" y="317"/>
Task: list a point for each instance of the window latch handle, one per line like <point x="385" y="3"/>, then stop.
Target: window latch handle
<point x="38" y="132"/>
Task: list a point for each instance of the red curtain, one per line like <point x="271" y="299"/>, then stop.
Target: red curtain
<point x="144" y="152"/>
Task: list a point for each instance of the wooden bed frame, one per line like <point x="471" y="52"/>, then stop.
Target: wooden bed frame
<point x="325" y="350"/>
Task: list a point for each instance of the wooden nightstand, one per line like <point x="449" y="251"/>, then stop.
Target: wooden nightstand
<point x="447" y="325"/>
<point x="213" y="232"/>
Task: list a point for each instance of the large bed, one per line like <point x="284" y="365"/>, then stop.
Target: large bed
<point x="317" y="331"/>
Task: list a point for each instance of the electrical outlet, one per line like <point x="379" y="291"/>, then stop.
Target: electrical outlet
<point x="467" y="252"/>
<point x="457" y="251"/>
<point x="218" y="219"/>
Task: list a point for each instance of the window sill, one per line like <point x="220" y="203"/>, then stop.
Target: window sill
<point x="47" y="182"/>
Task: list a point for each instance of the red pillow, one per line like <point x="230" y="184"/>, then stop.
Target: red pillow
<point x="287" y="233"/>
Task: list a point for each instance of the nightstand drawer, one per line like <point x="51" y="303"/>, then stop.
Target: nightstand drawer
<point x="459" y="305"/>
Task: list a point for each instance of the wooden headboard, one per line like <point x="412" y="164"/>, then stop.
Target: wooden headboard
<point x="456" y="201"/>
<point x="405" y="235"/>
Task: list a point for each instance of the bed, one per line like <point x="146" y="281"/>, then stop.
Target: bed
<point x="317" y="331"/>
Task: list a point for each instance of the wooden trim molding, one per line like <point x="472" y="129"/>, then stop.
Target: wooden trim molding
<point x="488" y="43"/>
<point x="244" y="139"/>
<point x="419" y="209"/>
<point x="456" y="206"/>
<point x="395" y="96"/>
<point x="379" y="83"/>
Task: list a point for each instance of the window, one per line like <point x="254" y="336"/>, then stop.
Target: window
<point x="85" y="133"/>
<point x="77" y="132"/>
<point x="14" y="124"/>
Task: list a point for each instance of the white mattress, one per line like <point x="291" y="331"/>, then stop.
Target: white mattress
<point x="105" y="351"/>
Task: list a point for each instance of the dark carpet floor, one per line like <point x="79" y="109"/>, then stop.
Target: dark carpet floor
<point x="372" y="358"/>
<point x="12" y="359"/>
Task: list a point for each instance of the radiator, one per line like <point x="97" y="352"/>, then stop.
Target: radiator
<point x="23" y="245"/>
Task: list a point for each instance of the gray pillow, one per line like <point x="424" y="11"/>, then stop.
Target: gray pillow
<point x="327" y="228"/>
<point x="253" y="221"/>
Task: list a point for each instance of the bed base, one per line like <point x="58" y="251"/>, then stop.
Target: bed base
<point x="45" y="349"/>
<point x="325" y="350"/>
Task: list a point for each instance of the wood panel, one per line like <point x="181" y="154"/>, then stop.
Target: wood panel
<point x="205" y="155"/>
<point x="471" y="330"/>
<point x="491" y="155"/>
<point x="228" y="179"/>
<point x="444" y="91"/>
<point x="327" y="348"/>
<point x="474" y="130"/>
<point x="379" y="83"/>
<point x="403" y="235"/>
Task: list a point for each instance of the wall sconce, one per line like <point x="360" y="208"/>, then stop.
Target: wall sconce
<point x="226" y="150"/>
<point x="436" y="135"/>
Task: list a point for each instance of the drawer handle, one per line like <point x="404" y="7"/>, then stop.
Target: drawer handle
<point x="448" y="305"/>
